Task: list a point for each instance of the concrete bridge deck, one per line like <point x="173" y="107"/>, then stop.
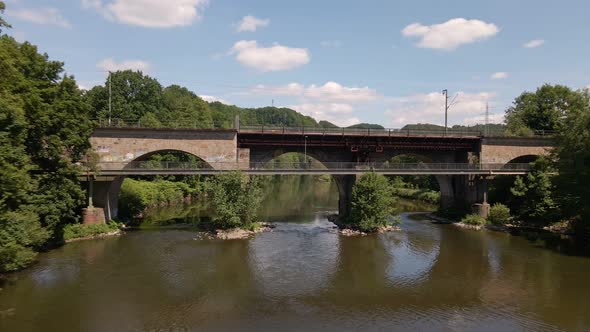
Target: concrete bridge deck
<point x="338" y="168"/>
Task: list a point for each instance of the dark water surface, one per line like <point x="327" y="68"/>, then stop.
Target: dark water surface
<point x="302" y="277"/>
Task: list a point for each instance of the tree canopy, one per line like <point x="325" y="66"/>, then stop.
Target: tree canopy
<point x="544" y="109"/>
<point x="44" y="125"/>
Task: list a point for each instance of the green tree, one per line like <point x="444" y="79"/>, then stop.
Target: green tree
<point x="543" y="109"/>
<point x="499" y="214"/>
<point x="573" y="153"/>
<point x="534" y="195"/>
<point x="185" y="108"/>
<point x="133" y="95"/>
<point x="44" y="126"/>
<point x="149" y="120"/>
<point x="3" y="23"/>
<point x="372" y="203"/>
<point x="236" y="199"/>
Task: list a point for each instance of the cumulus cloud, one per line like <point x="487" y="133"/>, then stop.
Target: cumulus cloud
<point x="339" y="114"/>
<point x="429" y="108"/>
<point x="44" y="16"/>
<point x="211" y="99"/>
<point x="149" y="13"/>
<point x="330" y="92"/>
<point x="251" y="23"/>
<point x="451" y="34"/>
<point x="499" y="75"/>
<point x="273" y="58"/>
<point x="534" y="43"/>
<point x="111" y="65"/>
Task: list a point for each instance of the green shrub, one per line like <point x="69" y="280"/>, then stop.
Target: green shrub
<point x="236" y="198"/>
<point x="74" y="231"/>
<point x="428" y="196"/>
<point x="136" y="195"/>
<point x="499" y="214"/>
<point x="474" y="219"/>
<point x="21" y="234"/>
<point x="372" y="203"/>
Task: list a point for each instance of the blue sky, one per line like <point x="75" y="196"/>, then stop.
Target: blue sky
<point x="383" y="62"/>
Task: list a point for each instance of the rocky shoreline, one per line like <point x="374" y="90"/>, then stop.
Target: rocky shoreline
<point x="236" y="233"/>
<point x="94" y="237"/>
<point x="345" y="230"/>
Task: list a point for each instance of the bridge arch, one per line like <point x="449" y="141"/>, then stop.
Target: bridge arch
<point x="106" y="193"/>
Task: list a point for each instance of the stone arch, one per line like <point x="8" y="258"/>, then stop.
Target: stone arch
<point x="106" y="193"/>
<point x="264" y="157"/>
<point x="524" y="159"/>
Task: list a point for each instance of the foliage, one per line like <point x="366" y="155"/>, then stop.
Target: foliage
<point x="372" y="202"/>
<point x="149" y="120"/>
<point x="499" y="214"/>
<point x="43" y="126"/>
<point x="327" y="124"/>
<point x="428" y="196"/>
<point x="474" y="220"/>
<point x="533" y="195"/>
<point x="573" y="153"/>
<point x="366" y="126"/>
<point x="543" y="109"/>
<point x="76" y="231"/>
<point x="236" y="199"/>
<point x="136" y="195"/>
<point x="3" y="23"/>
<point x="184" y="106"/>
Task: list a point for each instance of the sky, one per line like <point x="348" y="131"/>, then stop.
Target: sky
<point x="383" y="62"/>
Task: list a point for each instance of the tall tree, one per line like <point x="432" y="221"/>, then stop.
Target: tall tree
<point x="3" y="23"/>
<point x="543" y="109"/>
<point x="573" y="153"/>
<point x="133" y="94"/>
<point x="185" y="107"/>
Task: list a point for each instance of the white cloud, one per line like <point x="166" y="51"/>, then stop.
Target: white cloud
<point x="330" y="92"/>
<point x="251" y="23"/>
<point x="429" y="108"/>
<point x="111" y="65"/>
<point x="451" y="34"/>
<point x="534" y="43"/>
<point x="274" y="58"/>
<point x="45" y="16"/>
<point x="339" y="114"/>
<point x="499" y="75"/>
<point x="211" y="99"/>
<point x="150" y="13"/>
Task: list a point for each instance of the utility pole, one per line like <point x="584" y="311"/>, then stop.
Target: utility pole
<point x="110" y="98"/>
<point x="487" y="129"/>
<point x="445" y="92"/>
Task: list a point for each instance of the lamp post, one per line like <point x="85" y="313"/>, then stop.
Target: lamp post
<point x="305" y="149"/>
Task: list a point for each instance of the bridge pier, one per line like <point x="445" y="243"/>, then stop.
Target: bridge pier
<point x="104" y="193"/>
<point x="344" y="184"/>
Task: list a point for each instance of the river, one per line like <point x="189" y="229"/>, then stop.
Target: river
<point x="303" y="276"/>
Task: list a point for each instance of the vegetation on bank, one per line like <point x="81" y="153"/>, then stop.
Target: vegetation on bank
<point x="80" y="231"/>
<point x="44" y="125"/>
<point x="372" y="204"/>
<point x="136" y="195"/>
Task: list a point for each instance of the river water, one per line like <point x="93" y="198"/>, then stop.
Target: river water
<point x="303" y="276"/>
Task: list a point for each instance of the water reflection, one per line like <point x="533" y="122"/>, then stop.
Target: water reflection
<point x="302" y="276"/>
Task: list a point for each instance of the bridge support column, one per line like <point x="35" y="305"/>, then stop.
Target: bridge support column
<point x="482" y="209"/>
<point x="105" y="196"/>
<point x="344" y="183"/>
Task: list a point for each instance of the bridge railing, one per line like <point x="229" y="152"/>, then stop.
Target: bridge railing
<point x="273" y="129"/>
<point x="303" y="166"/>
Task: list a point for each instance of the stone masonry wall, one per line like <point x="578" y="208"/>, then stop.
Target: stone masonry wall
<point x="503" y="150"/>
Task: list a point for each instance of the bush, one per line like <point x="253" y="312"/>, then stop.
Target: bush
<point x="236" y="198"/>
<point x="20" y="235"/>
<point x="474" y="219"/>
<point x="75" y="231"/>
<point x="499" y="214"/>
<point x="428" y="196"/>
<point x="372" y="203"/>
<point x="136" y="195"/>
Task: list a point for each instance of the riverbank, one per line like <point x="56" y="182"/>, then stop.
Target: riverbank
<point x="81" y="232"/>
<point x="349" y="230"/>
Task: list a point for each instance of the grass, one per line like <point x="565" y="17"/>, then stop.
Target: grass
<point x="76" y="231"/>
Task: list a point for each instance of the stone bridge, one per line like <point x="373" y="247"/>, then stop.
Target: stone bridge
<point x="219" y="148"/>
